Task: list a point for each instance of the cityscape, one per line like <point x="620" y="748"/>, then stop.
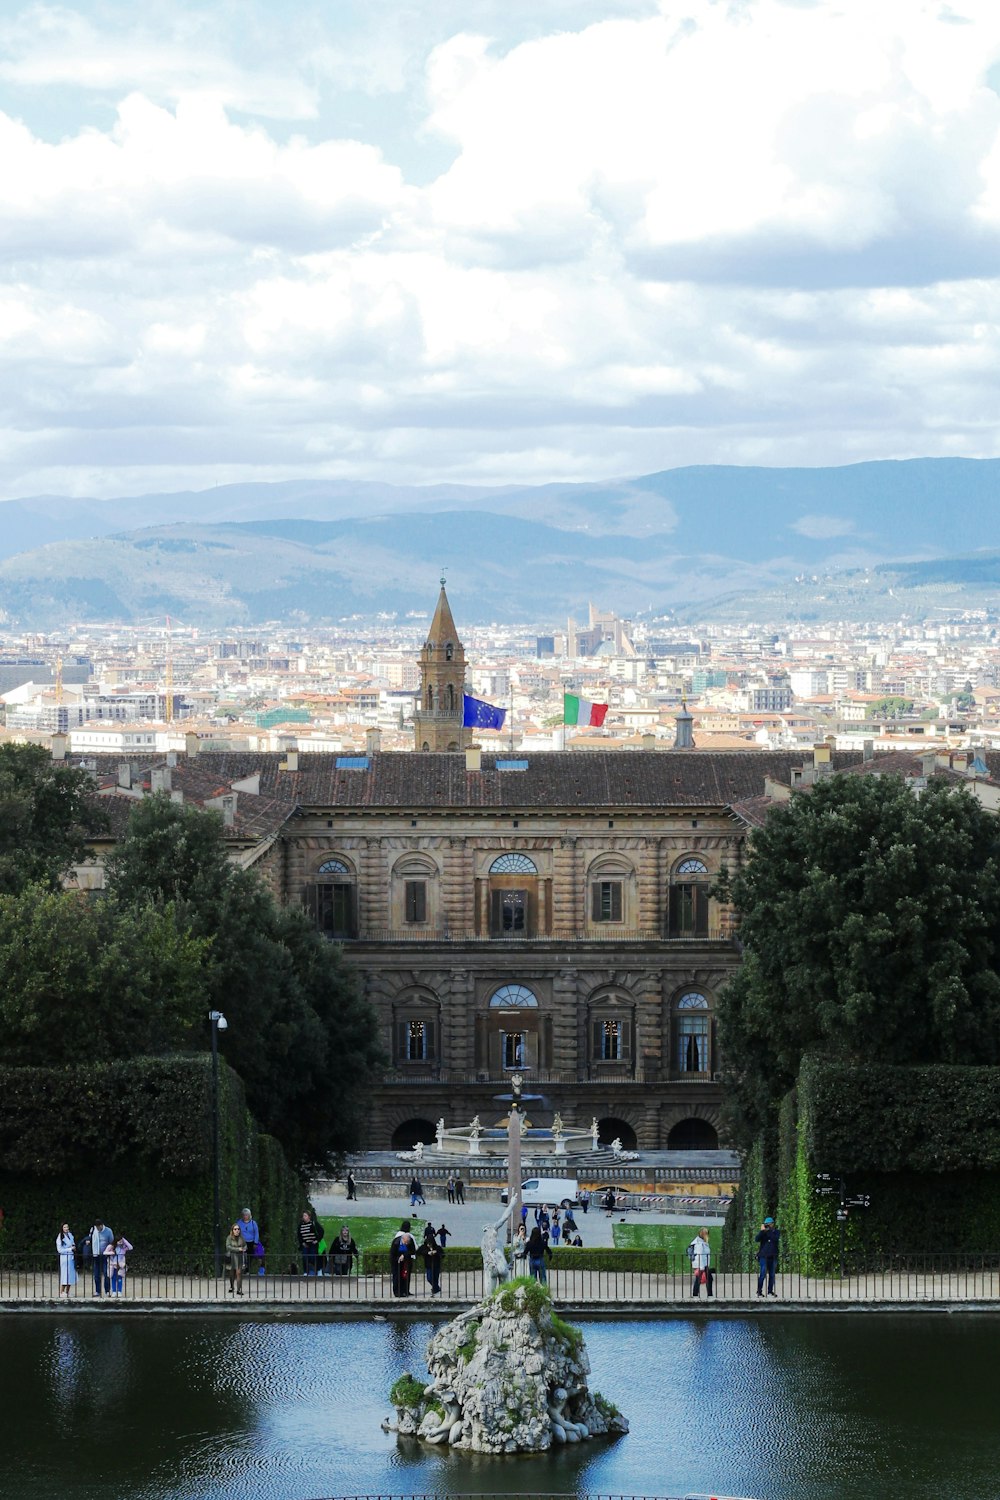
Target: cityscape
<point x="499" y="750"/>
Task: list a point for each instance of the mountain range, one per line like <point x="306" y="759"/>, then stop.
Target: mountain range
<point x="756" y="542"/>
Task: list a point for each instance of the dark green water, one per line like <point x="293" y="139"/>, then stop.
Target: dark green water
<point x="803" y="1407"/>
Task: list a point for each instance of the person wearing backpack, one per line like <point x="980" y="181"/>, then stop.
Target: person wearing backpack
<point x="700" y="1255"/>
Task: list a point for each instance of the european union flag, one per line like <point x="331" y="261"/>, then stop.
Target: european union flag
<point x="479" y="715"/>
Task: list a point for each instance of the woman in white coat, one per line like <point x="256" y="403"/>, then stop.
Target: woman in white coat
<point x="66" y="1251"/>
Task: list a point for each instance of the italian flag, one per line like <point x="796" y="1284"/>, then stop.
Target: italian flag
<point x="582" y="711"/>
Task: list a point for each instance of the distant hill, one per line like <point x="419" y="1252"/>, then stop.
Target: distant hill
<point x="320" y="550"/>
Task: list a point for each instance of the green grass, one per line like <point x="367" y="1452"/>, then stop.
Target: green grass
<point x="673" y="1238"/>
<point x="371" y="1233"/>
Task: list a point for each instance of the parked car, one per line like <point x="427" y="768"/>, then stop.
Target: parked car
<point x="536" y="1191"/>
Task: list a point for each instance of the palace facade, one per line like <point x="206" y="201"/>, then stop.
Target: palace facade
<point x="550" y="913"/>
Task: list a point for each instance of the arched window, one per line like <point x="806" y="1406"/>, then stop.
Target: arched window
<point x="513" y="864"/>
<point x="417" y="1031"/>
<point x="692" y="1033"/>
<point x="332" y="899"/>
<point x="687" y="915"/>
<point x="513" y="997"/>
<point x="413" y="887"/>
<point x="449" y="651"/>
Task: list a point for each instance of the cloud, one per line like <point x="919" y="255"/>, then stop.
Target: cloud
<point x="822" y="528"/>
<point x="765" y="233"/>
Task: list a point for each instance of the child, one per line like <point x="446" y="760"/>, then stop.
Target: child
<point x="115" y="1255"/>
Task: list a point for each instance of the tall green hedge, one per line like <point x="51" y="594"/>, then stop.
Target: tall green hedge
<point x="132" y="1142"/>
<point x="923" y="1142"/>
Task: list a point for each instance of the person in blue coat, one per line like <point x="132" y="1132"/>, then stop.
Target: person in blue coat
<point x="768" y="1239"/>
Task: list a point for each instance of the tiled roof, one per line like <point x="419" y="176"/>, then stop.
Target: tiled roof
<point x="401" y="780"/>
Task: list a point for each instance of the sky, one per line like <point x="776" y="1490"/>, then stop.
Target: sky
<point x="491" y="242"/>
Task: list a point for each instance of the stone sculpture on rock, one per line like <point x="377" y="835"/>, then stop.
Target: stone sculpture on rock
<point x="506" y="1376"/>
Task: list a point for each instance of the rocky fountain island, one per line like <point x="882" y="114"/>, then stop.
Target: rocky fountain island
<point x="506" y="1376"/>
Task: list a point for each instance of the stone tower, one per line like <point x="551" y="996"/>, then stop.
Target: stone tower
<point x="437" y="723"/>
<point x="684" y="736"/>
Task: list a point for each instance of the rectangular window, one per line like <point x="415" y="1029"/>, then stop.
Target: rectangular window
<point x="689" y="911"/>
<point x="334" y="908"/>
<point x="513" y="1049"/>
<point x="692" y="1044"/>
<point x="415" y="901"/>
<point x="416" y="1041"/>
<point x="607" y="901"/>
<point x="509" y="913"/>
<point x="612" y="1039"/>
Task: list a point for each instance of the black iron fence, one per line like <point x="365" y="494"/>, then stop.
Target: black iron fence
<point x="668" y="1280"/>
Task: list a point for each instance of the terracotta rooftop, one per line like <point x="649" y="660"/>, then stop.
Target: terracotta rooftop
<point x="551" y="779"/>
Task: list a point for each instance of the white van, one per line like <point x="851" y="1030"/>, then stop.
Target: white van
<point x="563" y="1192"/>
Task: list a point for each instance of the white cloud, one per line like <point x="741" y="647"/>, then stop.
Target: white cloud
<point x="760" y="233"/>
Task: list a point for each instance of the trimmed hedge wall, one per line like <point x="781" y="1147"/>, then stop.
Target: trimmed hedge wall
<point x="133" y="1141"/>
<point x="913" y="1119"/>
<point x="375" y="1260"/>
<point x="923" y="1142"/>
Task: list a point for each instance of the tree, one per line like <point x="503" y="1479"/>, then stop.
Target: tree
<point x="46" y="815"/>
<point x="871" y="926"/>
<point x="300" y="1035"/>
<point x="86" y="982"/>
<point x="891" y="708"/>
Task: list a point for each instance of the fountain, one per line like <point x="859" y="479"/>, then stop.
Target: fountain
<point x="506" y="1376"/>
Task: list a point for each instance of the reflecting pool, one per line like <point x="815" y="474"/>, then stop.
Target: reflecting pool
<point x="781" y="1407"/>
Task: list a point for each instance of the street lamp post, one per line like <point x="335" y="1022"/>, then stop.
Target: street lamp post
<point x="218" y="1023"/>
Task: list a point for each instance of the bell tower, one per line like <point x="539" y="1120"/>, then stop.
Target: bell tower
<point x="437" y="723"/>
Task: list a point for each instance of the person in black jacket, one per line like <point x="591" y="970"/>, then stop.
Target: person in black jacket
<point x="768" y="1239"/>
<point x="310" y="1234"/>
<point x="343" y="1253"/>
<point x="432" y="1254"/>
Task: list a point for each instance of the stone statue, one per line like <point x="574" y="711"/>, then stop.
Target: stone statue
<point x="595" y="1131"/>
<point x="557" y="1125"/>
<point x="440" y="1132"/>
<point x="495" y="1267"/>
<point x="506" y="1377"/>
<point x="475" y="1129"/>
<point x="619" y="1153"/>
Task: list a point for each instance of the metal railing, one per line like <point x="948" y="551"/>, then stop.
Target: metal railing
<point x="596" y="934"/>
<point x="666" y="1282"/>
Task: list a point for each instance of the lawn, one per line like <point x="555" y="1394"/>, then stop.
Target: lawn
<point x="373" y="1233"/>
<point x="674" y="1238"/>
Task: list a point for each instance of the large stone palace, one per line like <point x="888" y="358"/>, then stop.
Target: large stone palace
<point x="548" y="913"/>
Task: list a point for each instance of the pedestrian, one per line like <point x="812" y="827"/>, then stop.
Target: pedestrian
<point x="431" y="1252"/>
<point x="352" y="1188"/>
<point x="768" y="1239"/>
<point x="459" y="1190"/>
<point x="416" y="1192"/>
<point x="250" y="1230"/>
<point x="451" y="1189"/>
<point x="519" y="1249"/>
<point x="310" y="1234"/>
<point x="524" y="1217"/>
<point x="569" y="1223"/>
<point x="555" y="1233"/>
<point x="584" y="1199"/>
<point x="538" y="1249"/>
<point x="402" y="1251"/>
<point x="700" y="1254"/>
<point x="609" y="1202"/>
<point x="100" y="1237"/>
<point x="115" y="1256"/>
<point x="444" y="1235"/>
<point x="577" y="1242"/>
<point x="236" y="1259"/>
<point x="66" y="1251"/>
<point x="344" y="1253"/>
